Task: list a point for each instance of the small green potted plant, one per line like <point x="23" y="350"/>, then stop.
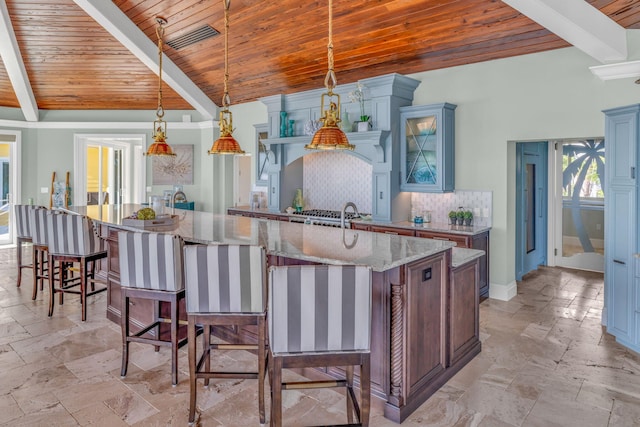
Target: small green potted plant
<point x="460" y="217"/>
<point x="452" y="217"/>
<point x="468" y="217"/>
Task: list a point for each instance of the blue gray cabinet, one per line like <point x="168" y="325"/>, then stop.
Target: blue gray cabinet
<point x="427" y="143"/>
<point x="622" y="283"/>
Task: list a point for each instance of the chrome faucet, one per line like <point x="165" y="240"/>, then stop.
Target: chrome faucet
<point x="344" y="209"/>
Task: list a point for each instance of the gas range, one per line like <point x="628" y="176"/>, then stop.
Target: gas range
<point x="322" y="217"/>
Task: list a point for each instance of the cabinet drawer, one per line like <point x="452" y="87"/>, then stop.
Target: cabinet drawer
<point x="392" y="230"/>
<point x="360" y="226"/>
<point x="460" y="240"/>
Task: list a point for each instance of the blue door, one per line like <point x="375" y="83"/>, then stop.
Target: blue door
<point x="531" y="206"/>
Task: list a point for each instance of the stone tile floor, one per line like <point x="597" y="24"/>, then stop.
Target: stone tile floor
<point x="545" y="361"/>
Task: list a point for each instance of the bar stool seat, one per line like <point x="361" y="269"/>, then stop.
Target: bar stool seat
<point x="151" y="268"/>
<point x="320" y="316"/>
<point x="72" y="239"/>
<point x="226" y="287"/>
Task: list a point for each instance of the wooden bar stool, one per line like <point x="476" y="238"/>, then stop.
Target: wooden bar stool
<point x="226" y="286"/>
<point x="320" y="316"/>
<point x="151" y="267"/>
<point x="72" y="239"/>
<point x="23" y="232"/>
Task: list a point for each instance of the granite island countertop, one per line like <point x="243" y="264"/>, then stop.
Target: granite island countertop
<point x="327" y="245"/>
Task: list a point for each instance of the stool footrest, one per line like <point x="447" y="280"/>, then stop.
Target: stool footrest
<point x="298" y="385"/>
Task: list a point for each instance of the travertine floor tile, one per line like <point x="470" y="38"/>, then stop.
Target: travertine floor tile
<point x="545" y="361"/>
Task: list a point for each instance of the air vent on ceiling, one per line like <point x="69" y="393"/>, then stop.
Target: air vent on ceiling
<point x="193" y="37"/>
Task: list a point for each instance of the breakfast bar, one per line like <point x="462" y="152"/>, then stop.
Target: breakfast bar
<point x="425" y="291"/>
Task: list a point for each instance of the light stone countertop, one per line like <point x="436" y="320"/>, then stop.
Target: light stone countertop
<point x="461" y="256"/>
<point x="327" y="245"/>
<point x="430" y="226"/>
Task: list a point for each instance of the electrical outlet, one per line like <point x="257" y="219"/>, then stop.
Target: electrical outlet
<point x="44" y="190"/>
<point x="598" y="227"/>
<point x="148" y="189"/>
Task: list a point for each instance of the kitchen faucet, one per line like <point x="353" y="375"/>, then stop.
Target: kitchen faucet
<point x="344" y="209"/>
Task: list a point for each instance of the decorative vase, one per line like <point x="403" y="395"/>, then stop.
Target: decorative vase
<point x="298" y="201"/>
<point x="291" y="122"/>
<point x="364" y="126"/>
<point x="283" y="124"/>
<point x="345" y="124"/>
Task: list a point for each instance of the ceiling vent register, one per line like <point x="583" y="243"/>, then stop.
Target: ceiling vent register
<point x="193" y="37"/>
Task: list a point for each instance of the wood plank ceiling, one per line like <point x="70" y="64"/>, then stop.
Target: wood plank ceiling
<point x="274" y="47"/>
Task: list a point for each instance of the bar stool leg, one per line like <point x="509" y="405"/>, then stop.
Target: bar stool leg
<point x="365" y="389"/>
<point x="191" y="340"/>
<point x="19" y="261"/>
<point x="83" y="288"/>
<point x="206" y="348"/>
<point x="36" y="272"/>
<point x="349" y="390"/>
<point x="174" y="340"/>
<point x="124" y="324"/>
<point x="276" y="391"/>
<point x="261" y="366"/>
<point x="52" y="285"/>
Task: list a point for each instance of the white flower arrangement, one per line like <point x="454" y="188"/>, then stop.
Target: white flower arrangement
<point x="358" y="96"/>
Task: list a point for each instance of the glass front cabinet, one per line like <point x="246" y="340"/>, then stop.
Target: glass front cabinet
<point x="427" y="148"/>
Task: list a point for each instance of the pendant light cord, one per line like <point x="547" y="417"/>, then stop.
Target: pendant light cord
<point x="160" y="34"/>
<point x="330" y="80"/>
<point x="226" y="100"/>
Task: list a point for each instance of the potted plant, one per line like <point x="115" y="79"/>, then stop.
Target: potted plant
<point x="452" y="217"/>
<point x="468" y="217"/>
<point x="358" y="96"/>
<point x="460" y="217"/>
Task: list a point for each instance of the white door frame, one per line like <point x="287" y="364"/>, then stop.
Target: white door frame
<point x="15" y="165"/>
<point x="134" y="177"/>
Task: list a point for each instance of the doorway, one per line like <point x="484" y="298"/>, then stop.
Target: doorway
<point x="109" y="169"/>
<point x="579" y="204"/>
<point x="531" y="206"/>
<point x="9" y="183"/>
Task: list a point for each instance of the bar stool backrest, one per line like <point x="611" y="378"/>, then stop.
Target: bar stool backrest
<point x="151" y="260"/>
<point x="38" y="222"/>
<point x="319" y="308"/>
<point x="225" y="278"/>
<point x="23" y="221"/>
<point x="72" y="235"/>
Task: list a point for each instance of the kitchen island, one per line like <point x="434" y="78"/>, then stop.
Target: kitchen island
<point x="424" y="300"/>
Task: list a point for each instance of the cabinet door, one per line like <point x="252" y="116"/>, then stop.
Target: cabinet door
<point x="621" y="203"/>
<point x="621" y="137"/>
<point x="464" y="309"/>
<point x="262" y="158"/>
<point x="426" y="300"/>
<point x="427" y="148"/>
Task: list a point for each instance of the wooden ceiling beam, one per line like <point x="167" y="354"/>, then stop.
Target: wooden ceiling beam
<point x="10" y="54"/>
<point x="126" y="32"/>
<point x="580" y="24"/>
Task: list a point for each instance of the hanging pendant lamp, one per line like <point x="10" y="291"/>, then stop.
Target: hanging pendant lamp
<point x="159" y="147"/>
<point x="226" y="144"/>
<point x="330" y="136"/>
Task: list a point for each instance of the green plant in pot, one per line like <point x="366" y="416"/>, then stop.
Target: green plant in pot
<point x="460" y="217"/>
<point x="452" y="217"/>
<point x="468" y="217"/>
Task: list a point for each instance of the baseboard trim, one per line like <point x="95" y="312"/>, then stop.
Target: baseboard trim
<point x="503" y="292"/>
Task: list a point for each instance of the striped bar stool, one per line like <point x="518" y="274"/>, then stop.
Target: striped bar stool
<point x="38" y="217"/>
<point x="151" y="268"/>
<point x="72" y="239"/>
<point x="226" y="286"/>
<point x="320" y="316"/>
<point x="23" y="231"/>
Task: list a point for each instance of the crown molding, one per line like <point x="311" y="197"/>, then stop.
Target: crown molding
<point x="621" y="70"/>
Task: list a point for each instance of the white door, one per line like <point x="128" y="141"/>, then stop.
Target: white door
<point x="241" y="180"/>
<point x="579" y="204"/>
<point x="109" y="169"/>
<point x="9" y="183"/>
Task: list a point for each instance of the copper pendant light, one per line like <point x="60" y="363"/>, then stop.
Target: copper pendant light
<point x="226" y="144"/>
<point x="160" y="146"/>
<point x="330" y="136"/>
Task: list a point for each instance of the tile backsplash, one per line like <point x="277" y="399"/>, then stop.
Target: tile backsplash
<point x="333" y="178"/>
<point x="479" y="202"/>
